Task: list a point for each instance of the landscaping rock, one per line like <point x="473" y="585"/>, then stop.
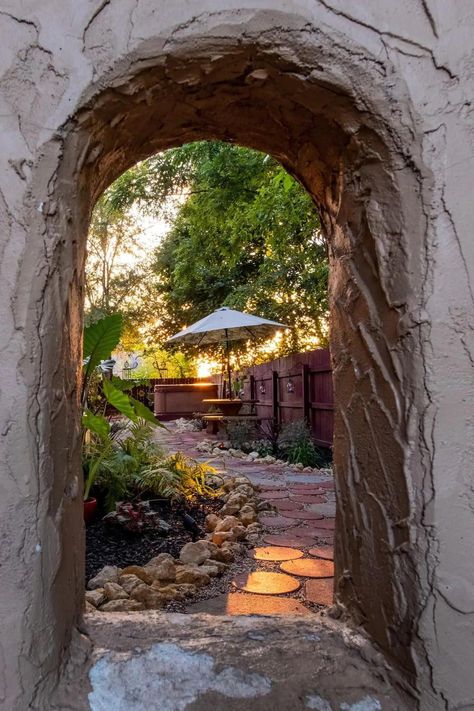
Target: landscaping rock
<point x="130" y="582"/>
<point x="219" y="537"/>
<point x="247" y="515"/>
<point x="89" y="607"/>
<point x="171" y="592"/>
<point x="140" y="572"/>
<point x="166" y="570"/>
<point x="95" y="597"/>
<point x="108" y="574"/>
<point x="192" y="575"/>
<point x="264" y="506"/>
<point x="221" y="567"/>
<point x="227" y="524"/>
<point x="211" y="522"/>
<point x="159" y="559"/>
<point x="244" y="489"/>
<point x="122" y="606"/>
<point x="150" y="597"/>
<point x="238" y="533"/>
<point x="194" y="553"/>
<point x="241" y="480"/>
<point x="222" y="555"/>
<point x="113" y="591"/>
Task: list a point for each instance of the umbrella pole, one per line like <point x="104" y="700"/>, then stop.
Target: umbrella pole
<point x="228" y="364"/>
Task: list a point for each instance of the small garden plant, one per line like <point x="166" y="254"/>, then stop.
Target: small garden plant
<point x="120" y="458"/>
<point x="296" y="445"/>
<point x="291" y="442"/>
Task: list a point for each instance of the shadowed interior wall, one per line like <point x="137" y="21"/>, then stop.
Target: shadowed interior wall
<point x="331" y="97"/>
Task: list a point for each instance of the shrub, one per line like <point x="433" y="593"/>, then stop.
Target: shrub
<point x="240" y="433"/>
<point x="177" y="477"/>
<point x="296" y="445"/>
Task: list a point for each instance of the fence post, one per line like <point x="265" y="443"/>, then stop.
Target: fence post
<point x="276" y="413"/>
<point x="252" y="387"/>
<point x="305" y="391"/>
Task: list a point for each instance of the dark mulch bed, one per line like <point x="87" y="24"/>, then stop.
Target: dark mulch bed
<point x="106" y="545"/>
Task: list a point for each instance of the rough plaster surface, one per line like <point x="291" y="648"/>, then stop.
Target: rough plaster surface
<point x="228" y="664"/>
<point x="370" y="106"/>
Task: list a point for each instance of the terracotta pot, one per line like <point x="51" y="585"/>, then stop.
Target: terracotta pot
<point x="90" y="507"/>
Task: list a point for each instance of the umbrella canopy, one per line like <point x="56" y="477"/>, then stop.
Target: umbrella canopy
<point x="225" y="325"/>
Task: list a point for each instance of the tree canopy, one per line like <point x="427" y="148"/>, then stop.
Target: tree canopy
<point x="247" y="237"/>
<point x="243" y="234"/>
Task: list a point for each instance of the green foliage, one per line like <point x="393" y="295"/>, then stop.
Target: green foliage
<point x="119" y="400"/>
<point x="130" y="452"/>
<point x="97" y="424"/>
<point x="99" y="448"/>
<point x="296" y="445"/>
<point x="178" y="477"/>
<point x="100" y="339"/>
<point x="246" y="237"/>
<point x="118" y="274"/>
<point x="239" y="433"/>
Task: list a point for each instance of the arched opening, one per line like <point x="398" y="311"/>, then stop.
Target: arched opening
<point x="355" y="157"/>
<point x="239" y="233"/>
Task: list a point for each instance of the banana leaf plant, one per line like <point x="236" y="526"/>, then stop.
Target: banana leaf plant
<point x="100" y="339"/>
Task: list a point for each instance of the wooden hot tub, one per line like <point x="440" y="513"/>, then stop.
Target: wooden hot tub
<point x="182" y="399"/>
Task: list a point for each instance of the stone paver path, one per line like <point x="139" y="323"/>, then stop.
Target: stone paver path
<point x="304" y="521"/>
<point x="272" y="553"/>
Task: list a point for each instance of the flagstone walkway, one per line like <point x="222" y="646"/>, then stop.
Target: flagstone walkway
<point x="291" y="570"/>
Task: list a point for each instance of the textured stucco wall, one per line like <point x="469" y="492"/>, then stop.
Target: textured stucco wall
<point x="369" y="104"/>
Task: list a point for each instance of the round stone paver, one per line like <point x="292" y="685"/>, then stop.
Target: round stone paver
<point x="306" y="490"/>
<point x="306" y="515"/>
<point x="280" y="539"/>
<point x="324" y="552"/>
<point x="309" y="568"/>
<point x="269" y="495"/>
<point x="328" y="523"/>
<point x="239" y="604"/>
<point x="320" y="591"/>
<point x="286" y="505"/>
<point x="263" y="583"/>
<point x="308" y="498"/>
<point x="275" y="553"/>
<point x="277" y="521"/>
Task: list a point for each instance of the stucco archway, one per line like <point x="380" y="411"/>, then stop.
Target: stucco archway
<point x="339" y="118"/>
<point x="350" y="161"/>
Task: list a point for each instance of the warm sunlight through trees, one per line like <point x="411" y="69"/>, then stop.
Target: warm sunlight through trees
<point x="242" y="233"/>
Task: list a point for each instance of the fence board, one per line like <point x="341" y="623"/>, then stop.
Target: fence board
<point x="303" y="390"/>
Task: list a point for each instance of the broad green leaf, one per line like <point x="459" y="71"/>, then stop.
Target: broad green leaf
<point x="96" y="424"/>
<point x="100" y="339"/>
<point x="287" y="182"/>
<point x="121" y="384"/>
<point x="119" y="400"/>
<point x="145" y="413"/>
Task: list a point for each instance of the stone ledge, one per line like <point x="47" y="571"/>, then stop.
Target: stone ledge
<point x="199" y="662"/>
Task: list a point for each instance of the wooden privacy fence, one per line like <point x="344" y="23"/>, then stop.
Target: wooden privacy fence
<point x="292" y="388"/>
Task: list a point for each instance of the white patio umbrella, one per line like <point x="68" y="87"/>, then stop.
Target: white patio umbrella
<point x="223" y="326"/>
